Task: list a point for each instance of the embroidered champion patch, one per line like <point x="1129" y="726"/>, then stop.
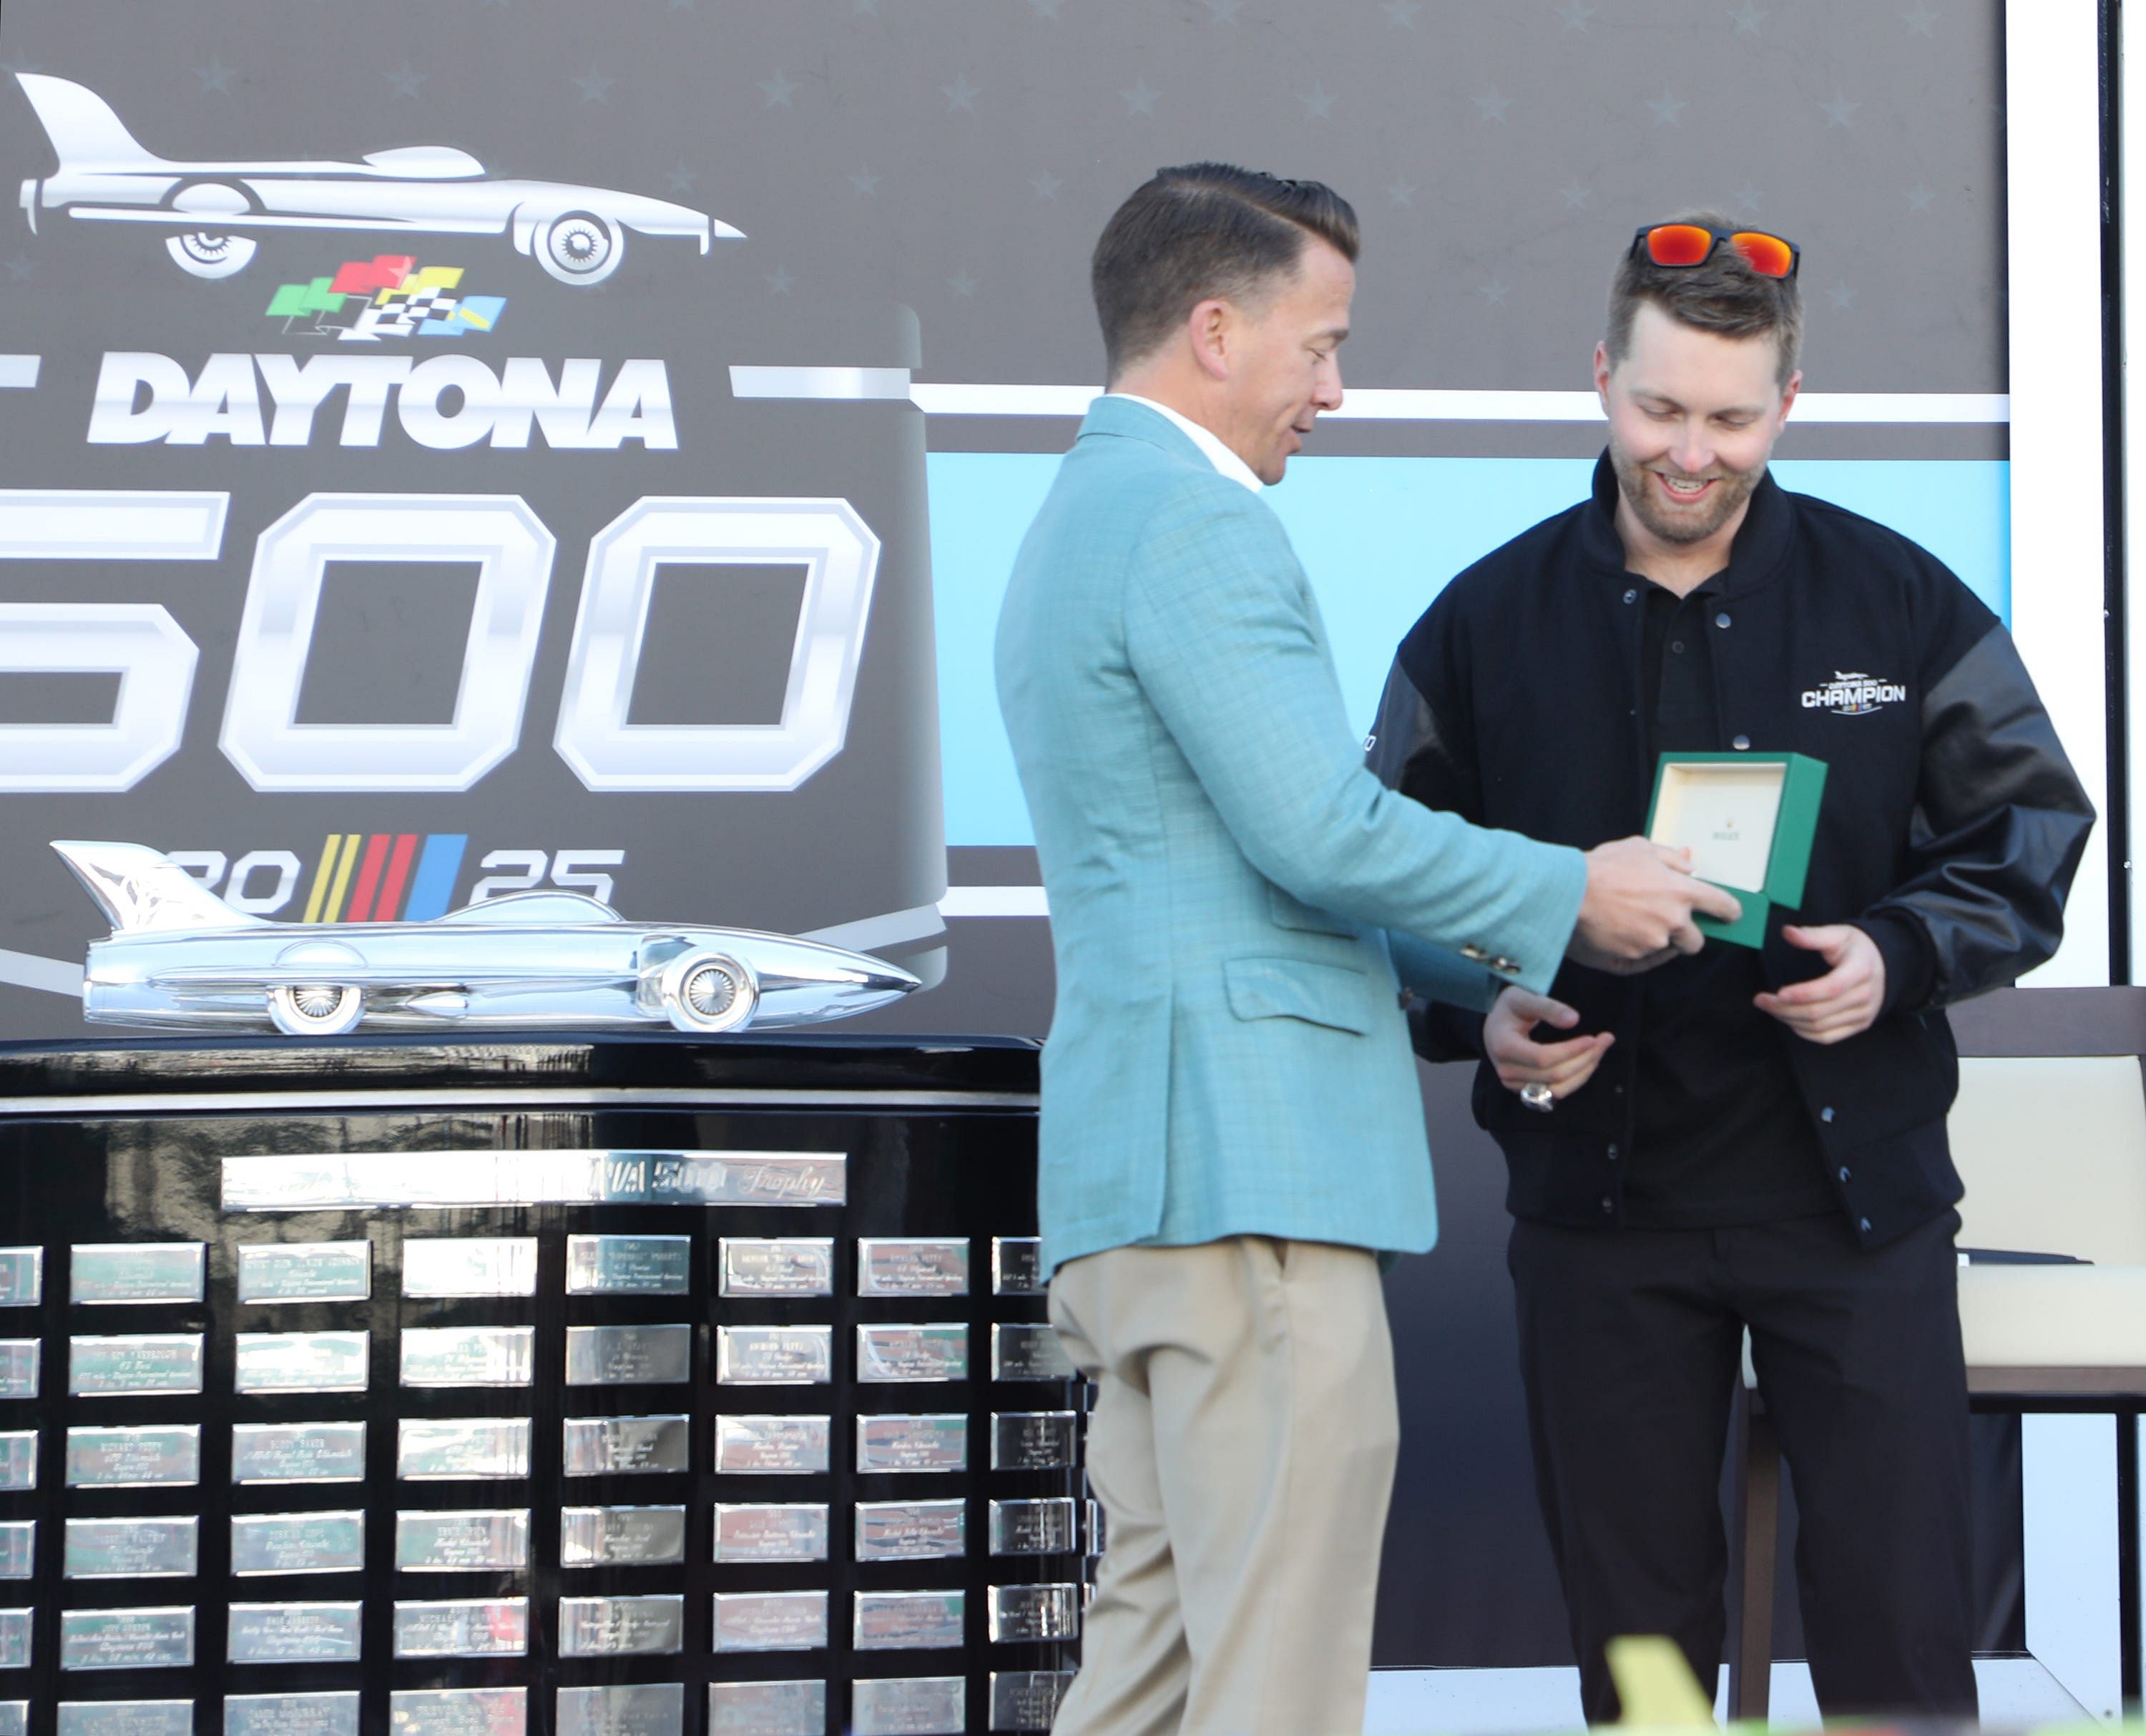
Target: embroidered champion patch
<point x="1851" y="693"/>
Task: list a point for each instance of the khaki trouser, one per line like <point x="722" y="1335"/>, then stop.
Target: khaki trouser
<point x="1242" y="1445"/>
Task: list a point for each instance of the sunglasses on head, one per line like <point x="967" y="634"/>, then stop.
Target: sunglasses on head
<point x="1677" y="244"/>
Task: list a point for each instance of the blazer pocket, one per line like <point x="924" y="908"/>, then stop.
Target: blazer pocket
<point x="1290" y="911"/>
<point x="1329" y="994"/>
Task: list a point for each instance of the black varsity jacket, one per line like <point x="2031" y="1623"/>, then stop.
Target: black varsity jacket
<point x="1951" y="826"/>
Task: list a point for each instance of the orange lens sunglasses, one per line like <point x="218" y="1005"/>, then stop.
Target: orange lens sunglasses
<point x="1694" y="244"/>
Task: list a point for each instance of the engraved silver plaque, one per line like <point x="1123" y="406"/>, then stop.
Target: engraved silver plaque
<point x="889" y="1621"/>
<point x="18" y="1548"/>
<point x="133" y="1458"/>
<point x="1035" y="1613"/>
<point x="22" y="1277"/>
<point x="767" y="1708"/>
<point x="302" y="1362"/>
<point x="908" y="1705"/>
<point x="621" y="1446"/>
<point x="771" y="1621"/>
<point x="634" y="1709"/>
<point x="438" y="1449"/>
<point x="135" y="1362"/>
<point x="1034" y="1440"/>
<point x="1033" y="1528"/>
<point x="622" y="1536"/>
<point x="629" y="1265"/>
<point x="297" y="1542"/>
<point x="101" y="1272"/>
<point x="771" y="1531"/>
<point x="1025" y="1351"/>
<point x="779" y="1444"/>
<point x="468" y="1355"/>
<point x="126" y="1718"/>
<point x="294" y="1633"/>
<point x="1027" y="1700"/>
<point x="911" y="1530"/>
<point x="912" y="1265"/>
<point x="298" y="1452"/>
<point x="621" y="1626"/>
<point x="18" y="1458"/>
<point x="458" y="1712"/>
<point x="462" y="1628"/>
<point x="15" y="1638"/>
<point x="629" y="1355"/>
<point x="1017" y="1266"/>
<point x="777" y="1266"/>
<point x="775" y="1355"/>
<point x="304" y="1272"/>
<point x="483" y="1266"/>
<point x="381" y="1180"/>
<point x="291" y="1715"/>
<point x="486" y="1539"/>
<point x="931" y="1443"/>
<point x="899" y="1354"/>
<point x="132" y="1549"/>
<point x="20" y="1358"/>
<point x="126" y="1638"/>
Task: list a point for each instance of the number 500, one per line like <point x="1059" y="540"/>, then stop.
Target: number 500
<point x="512" y="550"/>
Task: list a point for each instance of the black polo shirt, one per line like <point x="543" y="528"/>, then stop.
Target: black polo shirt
<point x="1719" y="1133"/>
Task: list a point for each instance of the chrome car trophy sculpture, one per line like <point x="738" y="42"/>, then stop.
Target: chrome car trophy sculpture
<point x="179" y="957"/>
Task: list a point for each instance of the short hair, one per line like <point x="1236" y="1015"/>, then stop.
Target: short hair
<point x="1723" y="295"/>
<point x="1201" y="231"/>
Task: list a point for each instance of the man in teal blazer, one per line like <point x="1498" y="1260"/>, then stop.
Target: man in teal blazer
<point x="1231" y="1128"/>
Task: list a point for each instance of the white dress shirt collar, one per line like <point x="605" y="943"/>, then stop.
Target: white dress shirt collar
<point x="1209" y="443"/>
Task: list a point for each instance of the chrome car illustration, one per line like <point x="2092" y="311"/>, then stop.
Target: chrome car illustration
<point x="179" y="957"/>
<point x="212" y="209"/>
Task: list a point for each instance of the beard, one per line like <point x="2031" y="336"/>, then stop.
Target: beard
<point x="1733" y="488"/>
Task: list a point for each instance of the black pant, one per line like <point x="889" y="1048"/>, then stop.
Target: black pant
<point x="1629" y="1343"/>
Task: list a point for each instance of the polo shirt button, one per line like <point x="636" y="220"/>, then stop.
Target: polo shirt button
<point x="1722" y="619"/>
<point x="1826" y="1114"/>
<point x="1612" y="1153"/>
<point x="1609" y="1207"/>
<point x="1631" y="596"/>
<point x="1864" y="1224"/>
<point x="1843" y="1172"/>
<point x="1505" y="966"/>
<point x="1741" y="743"/>
<point x="1474" y="955"/>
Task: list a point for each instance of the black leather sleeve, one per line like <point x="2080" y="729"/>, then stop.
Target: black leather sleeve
<point x="2000" y="824"/>
<point x="1408" y="753"/>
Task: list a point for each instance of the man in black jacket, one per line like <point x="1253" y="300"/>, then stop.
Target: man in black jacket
<point x="1747" y="1138"/>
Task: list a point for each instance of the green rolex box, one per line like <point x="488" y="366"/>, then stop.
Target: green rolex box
<point x="1747" y="820"/>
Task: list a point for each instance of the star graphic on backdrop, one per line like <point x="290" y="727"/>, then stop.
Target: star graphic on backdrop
<point x="1140" y="99"/>
<point x="1223" y="12"/>
<point x="1494" y="292"/>
<point x="865" y="9"/>
<point x="1748" y="197"/>
<point x="1046" y="8"/>
<point x="1749" y="18"/>
<point x="779" y="281"/>
<point x="962" y="284"/>
<point x="1046" y="185"/>
<point x="1402" y="12"/>
<point x="1492" y="106"/>
<point x="681" y="179"/>
<point x="1919" y="21"/>
<point x="1575" y="195"/>
<point x="1842" y="295"/>
<point x="777" y="91"/>
<point x="216" y="77"/>
<point x="1918" y="197"/>
<point x="1667" y="108"/>
<point x="1318" y="102"/>
<point x="405" y="81"/>
<point x="866" y="181"/>
<point x="1576" y="13"/>
<point x="681" y="6"/>
<point x="1401" y="193"/>
<point x="1838" y="112"/>
<point x="961" y="93"/>
<point x="16" y="63"/>
<point x="501" y="4"/>
<point x="594" y="86"/>
<point x="21" y="267"/>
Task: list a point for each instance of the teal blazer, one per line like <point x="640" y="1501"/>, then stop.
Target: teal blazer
<point x="1228" y="1055"/>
